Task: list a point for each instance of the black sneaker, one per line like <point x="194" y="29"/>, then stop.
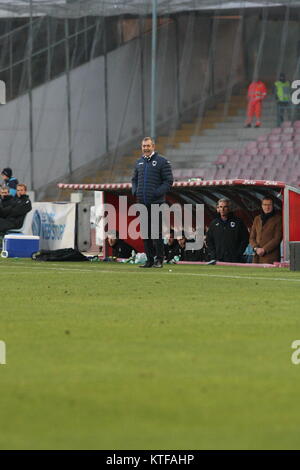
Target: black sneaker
<point x="148" y="264"/>
<point x="158" y="264"/>
<point x="247" y="125"/>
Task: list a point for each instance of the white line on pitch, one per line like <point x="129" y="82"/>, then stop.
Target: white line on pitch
<point x="93" y="271"/>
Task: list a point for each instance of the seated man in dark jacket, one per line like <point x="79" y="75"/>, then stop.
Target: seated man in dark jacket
<point x="120" y="248"/>
<point x="6" y="199"/>
<point x="189" y="254"/>
<point x="171" y="247"/>
<point x="12" y="216"/>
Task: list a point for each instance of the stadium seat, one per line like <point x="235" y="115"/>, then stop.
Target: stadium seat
<point x="266" y="151"/>
<point x="274" y="138"/>
<point x="228" y="151"/>
<point x="210" y="173"/>
<point x="287" y="145"/>
<point x="288" y="152"/>
<point x="187" y="172"/>
<point x="234" y="158"/>
<point x="276" y="151"/>
<point x="257" y="174"/>
<point x="262" y="145"/>
<point x="177" y="173"/>
<point x="221" y="160"/>
<point x="276" y="130"/>
<point x="262" y="138"/>
<point x="274" y="145"/>
<point x="198" y="172"/>
<point x="286" y="137"/>
<point x="282" y="174"/>
<point x="221" y="174"/>
<point x="271" y="156"/>
<point x="288" y="130"/>
<point x="251" y="145"/>
<point x="252" y="151"/>
<point x="270" y="173"/>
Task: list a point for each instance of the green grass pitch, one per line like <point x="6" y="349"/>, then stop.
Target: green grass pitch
<point x="110" y="356"/>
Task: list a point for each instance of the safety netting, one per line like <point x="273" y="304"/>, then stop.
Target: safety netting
<point x="78" y="83"/>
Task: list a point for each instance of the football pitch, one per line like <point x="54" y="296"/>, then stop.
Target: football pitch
<point x="110" y="356"/>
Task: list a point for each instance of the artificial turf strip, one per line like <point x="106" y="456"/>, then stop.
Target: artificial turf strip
<point x="110" y="356"/>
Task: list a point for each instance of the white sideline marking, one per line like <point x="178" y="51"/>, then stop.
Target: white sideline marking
<point x="153" y="272"/>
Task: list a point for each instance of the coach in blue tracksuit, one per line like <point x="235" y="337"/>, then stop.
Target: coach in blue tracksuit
<point x="151" y="180"/>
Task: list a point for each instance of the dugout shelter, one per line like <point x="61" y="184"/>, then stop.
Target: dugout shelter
<point x="245" y="195"/>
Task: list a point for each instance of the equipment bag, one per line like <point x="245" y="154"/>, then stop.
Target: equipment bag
<point x="64" y="254"/>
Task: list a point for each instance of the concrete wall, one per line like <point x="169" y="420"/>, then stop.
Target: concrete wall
<point x="192" y="65"/>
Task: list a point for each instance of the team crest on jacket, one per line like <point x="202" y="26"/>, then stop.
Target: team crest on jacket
<point x="232" y="224"/>
<point x="154" y="163"/>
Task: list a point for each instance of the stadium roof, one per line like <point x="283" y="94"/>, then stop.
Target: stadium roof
<point x="177" y="184"/>
<point x="78" y="8"/>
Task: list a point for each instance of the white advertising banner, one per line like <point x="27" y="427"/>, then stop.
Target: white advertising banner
<point x="53" y="222"/>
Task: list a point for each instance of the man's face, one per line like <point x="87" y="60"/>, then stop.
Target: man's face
<point x="4" y="192"/>
<point x="267" y="206"/>
<point x="181" y="242"/>
<point x="111" y="241"/>
<point x="147" y="147"/>
<point x="21" y="191"/>
<point x="171" y="240"/>
<point x="4" y="177"/>
<point x="223" y="209"/>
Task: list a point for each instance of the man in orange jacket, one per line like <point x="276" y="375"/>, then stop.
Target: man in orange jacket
<point x="256" y="93"/>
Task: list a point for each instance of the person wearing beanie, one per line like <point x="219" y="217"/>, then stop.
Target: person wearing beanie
<point x="10" y="181"/>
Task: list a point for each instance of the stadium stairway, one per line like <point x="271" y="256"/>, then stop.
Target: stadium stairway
<point x="272" y="156"/>
<point x="207" y="148"/>
<point x="194" y="148"/>
<point x="194" y="145"/>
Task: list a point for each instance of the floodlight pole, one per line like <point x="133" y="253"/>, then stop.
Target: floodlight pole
<point x="29" y="71"/>
<point x="153" y="71"/>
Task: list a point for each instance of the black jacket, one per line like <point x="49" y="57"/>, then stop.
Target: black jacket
<point x="172" y="250"/>
<point x="152" y="179"/>
<point x="121" y="249"/>
<point x="228" y="240"/>
<point x="17" y="211"/>
<point x="191" y="254"/>
<point x="5" y="203"/>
